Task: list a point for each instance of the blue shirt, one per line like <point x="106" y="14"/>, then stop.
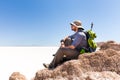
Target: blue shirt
<point x="79" y="39"/>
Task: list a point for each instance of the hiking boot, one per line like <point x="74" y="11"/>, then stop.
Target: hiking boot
<point x="46" y="65"/>
<point x="53" y="54"/>
<point x="50" y="67"/>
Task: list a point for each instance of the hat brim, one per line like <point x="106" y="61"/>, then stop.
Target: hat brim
<point x="80" y="27"/>
<point x="72" y="24"/>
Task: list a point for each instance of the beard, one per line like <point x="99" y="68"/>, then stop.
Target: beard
<point x="73" y="29"/>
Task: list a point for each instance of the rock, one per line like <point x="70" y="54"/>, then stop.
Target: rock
<point x="17" y="76"/>
<point x="100" y="65"/>
<point x="105" y="75"/>
<point x="109" y="45"/>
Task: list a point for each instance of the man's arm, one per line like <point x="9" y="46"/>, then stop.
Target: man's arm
<point x="71" y="47"/>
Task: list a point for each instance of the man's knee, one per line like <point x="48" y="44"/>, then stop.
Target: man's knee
<point x="67" y="42"/>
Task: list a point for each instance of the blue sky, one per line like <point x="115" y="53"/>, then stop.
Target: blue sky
<point x="46" y="22"/>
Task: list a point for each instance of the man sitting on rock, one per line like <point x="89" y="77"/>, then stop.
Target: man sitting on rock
<point x="70" y="46"/>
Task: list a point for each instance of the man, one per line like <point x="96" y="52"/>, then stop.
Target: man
<point x="70" y="46"/>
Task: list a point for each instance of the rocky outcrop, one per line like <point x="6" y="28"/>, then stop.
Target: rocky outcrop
<point x="100" y="65"/>
<point x="110" y="45"/>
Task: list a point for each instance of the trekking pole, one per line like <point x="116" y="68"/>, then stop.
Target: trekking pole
<point x="91" y="26"/>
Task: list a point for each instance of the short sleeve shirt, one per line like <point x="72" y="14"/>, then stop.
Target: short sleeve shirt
<point x="79" y="39"/>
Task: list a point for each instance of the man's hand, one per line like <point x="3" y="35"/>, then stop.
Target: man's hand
<point x="62" y="44"/>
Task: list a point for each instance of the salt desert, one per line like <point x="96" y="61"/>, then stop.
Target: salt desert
<point x="26" y="60"/>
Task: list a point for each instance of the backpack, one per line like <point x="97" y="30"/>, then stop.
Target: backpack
<point x="92" y="45"/>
